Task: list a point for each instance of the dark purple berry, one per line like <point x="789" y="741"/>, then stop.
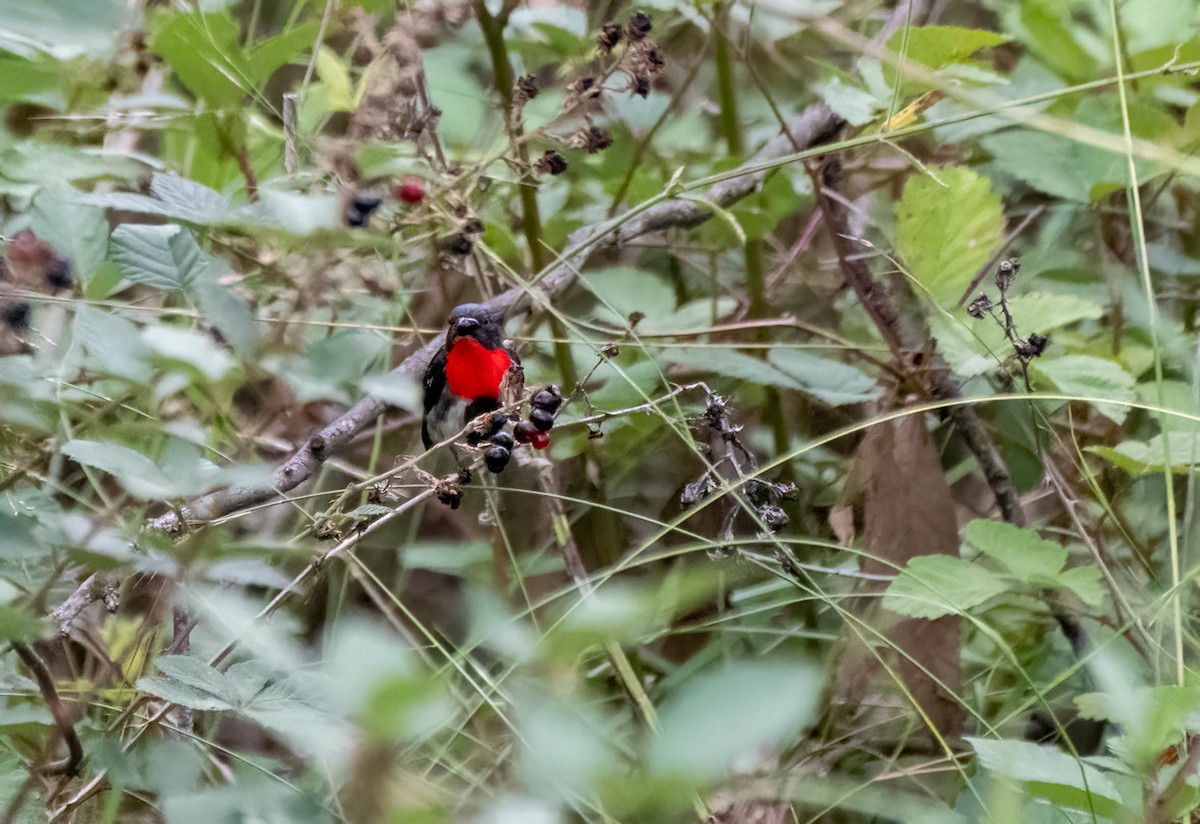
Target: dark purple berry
<point x="542" y="419"/>
<point x="503" y="439"/>
<point x="549" y="399"/>
<point x="524" y="431"/>
<point x="496" y="459"/>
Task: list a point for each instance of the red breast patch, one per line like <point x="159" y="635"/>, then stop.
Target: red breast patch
<point x="473" y="371"/>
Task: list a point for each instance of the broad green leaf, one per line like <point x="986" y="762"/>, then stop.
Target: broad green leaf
<point x="195" y="349"/>
<point x="947" y="229"/>
<point x="1049" y="31"/>
<point x="1142" y="458"/>
<point x="65" y="28"/>
<point x="270" y="54"/>
<point x="705" y="732"/>
<point x="166" y="257"/>
<point x="190" y="682"/>
<point x="205" y="53"/>
<point x="229" y="314"/>
<point x="1178" y="396"/>
<point x="174" y="197"/>
<point x="112" y="345"/>
<point x="1084" y="581"/>
<point x="1151" y="24"/>
<point x="24" y="81"/>
<point x="74" y="229"/>
<point x="336" y="79"/>
<point x="622" y="290"/>
<point x="1021" y="551"/>
<point x="931" y="586"/>
<point x="833" y="382"/>
<point x="1090" y="377"/>
<point x="564" y="749"/>
<point x="1050" y="773"/>
<point x="133" y="470"/>
<point x="1054" y="164"/>
<point x="854" y="105"/>
<point x="16" y="535"/>
<point x="936" y="46"/>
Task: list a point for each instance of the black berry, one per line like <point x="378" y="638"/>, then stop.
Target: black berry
<point x="542" y="419"/>
<point x="496" y="459"/>
<point x="549" y="399"/>
<point x="503" y="439"/>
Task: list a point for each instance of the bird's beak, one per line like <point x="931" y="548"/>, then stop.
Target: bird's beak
<point x="466" y="326"/>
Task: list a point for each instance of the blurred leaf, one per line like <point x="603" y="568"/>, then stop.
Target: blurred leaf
<point x="1050" y="773"/>
<point x="270" y="54"/>
<point x="931" y="586"/>
<point x="622" y="290"/>
<point x="936" y="46"/>
<point x="1182" y="451"/>
<point x="401" y="391"/>
<point x="190" y="682"/>
<point x="204" y="52"/>
<point x="722" y="719"/>
<point x="112" y="344"/>
<point x="74" y="229"/>
<point x="1090" y="377"/>
<point x="856" y="106"/>
<point x="835" y="383"/>
<point x="193" y="349"/>
<point x="565" y="750"/>
<point x="1054" y="164"/>
<point x="947" y="229"/>
<point x="65" y="28"/>
<point x="229" y="313"/>
<point x="1149" y="24"/>
<point x="24" y="81"/>
<point x="174" y="197"/>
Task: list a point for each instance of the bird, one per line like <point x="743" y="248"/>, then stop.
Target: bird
<point x="468" y="375"/>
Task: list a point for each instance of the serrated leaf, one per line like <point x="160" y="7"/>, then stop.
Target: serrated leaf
<point x="112" y="345"/>
<point x="1021" y="551"/>
<point x="173" y="197"/>
<point x="947" y="229"/>
<point x="229" y="313"/>
<point x="166" y="257"/>
<point x="1141" y="458"/>
<point x="931" y="586"/>
<point x="1050" y="773"/>
<point x="1054" y="164"/>
<point x="194" y="349"/>
<point x="73" y="228"/>
<point x="190" y="682"/>
<point x="854" y="105"/>
<point x="936" y="46"/>
<point x="1091" y="378"/>
<point x="137" y="473"/>
<point x="1084" y="581"/>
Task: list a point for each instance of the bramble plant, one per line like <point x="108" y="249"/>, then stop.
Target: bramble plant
<point x="542" y="411"/>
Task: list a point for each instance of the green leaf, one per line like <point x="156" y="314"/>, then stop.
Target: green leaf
<point x="166" y="257"/>
<point x="270" y="54"/>
<point x="1142" y="458"/>
<point x="834" y="382"/>
<point x="704" y="731"/>
<point x="193" y="349"/>
<point x="931" y="586"/>
<point x="74" y="228"/>
<point x="1021" y="551"/>
<point x="65" y="28"/>
<point x="174" y="197"/>
<point x="336" y="79"/>
<point x="1091" y="377"/>
<point x="401" y="391"/>
<point x="229" y="313"/>
<point x="1054" y="164"/>
<point x="190" y="682"/>
<point x="1050" y="33"/>
<point x="1050" y="773"/>
<point x="622" y="290"/>
<point x="936" y="46"/>
<point x="137" y="473"/>
<point x="24" y="81"/>
<point x="945" y="233"/>
<point x="856" y="106"/>
<point x="1151" y="24"/>
<point x="204" y="52"/>
<point x="1084" y="581"/>
<point x="112" y="345"/>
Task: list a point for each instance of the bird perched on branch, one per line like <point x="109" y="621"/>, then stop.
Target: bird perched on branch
<point x="470" y="375"/>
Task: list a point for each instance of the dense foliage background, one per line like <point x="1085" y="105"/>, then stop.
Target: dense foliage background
<point x="873" y="497"/>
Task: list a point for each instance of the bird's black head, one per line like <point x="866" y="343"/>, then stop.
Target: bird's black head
<point x="473" y="320"/>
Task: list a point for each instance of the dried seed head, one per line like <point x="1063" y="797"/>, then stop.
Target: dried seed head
<point x="654" y="59"/>
<point x="610" y="350"/>
<point x="641" y="85"/>
<point x="551" y="163"/>
<point x="1033" y="347"/>
<point x="593" y="139"/>
<point x="980" y="306"/>
<point x="639" y="26"/>
<point x="609" y="37"/>
<point x="773" y="517"/>
<point x="1006" y="273"/>
<point x="586" y="88"/>
<point x="525" y="89"/>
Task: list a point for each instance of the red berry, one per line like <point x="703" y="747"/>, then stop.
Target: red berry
<point x="540" y="440"/>
<point x="411" y="189"/>
<point x="524" y="431"/>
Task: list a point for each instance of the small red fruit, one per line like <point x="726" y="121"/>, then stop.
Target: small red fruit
<point x="411" y="189"/>
<point x="525" y="432"/>
<point x="540" y="440"/>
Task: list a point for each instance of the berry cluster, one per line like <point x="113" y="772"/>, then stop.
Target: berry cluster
<point x="534" y="430"/>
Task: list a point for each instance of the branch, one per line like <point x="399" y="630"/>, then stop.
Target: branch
<point x="66" y="728"/>
<point x="814" y="126"/>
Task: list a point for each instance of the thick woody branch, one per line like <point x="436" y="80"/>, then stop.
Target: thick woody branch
<point x="816" y="125"/>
